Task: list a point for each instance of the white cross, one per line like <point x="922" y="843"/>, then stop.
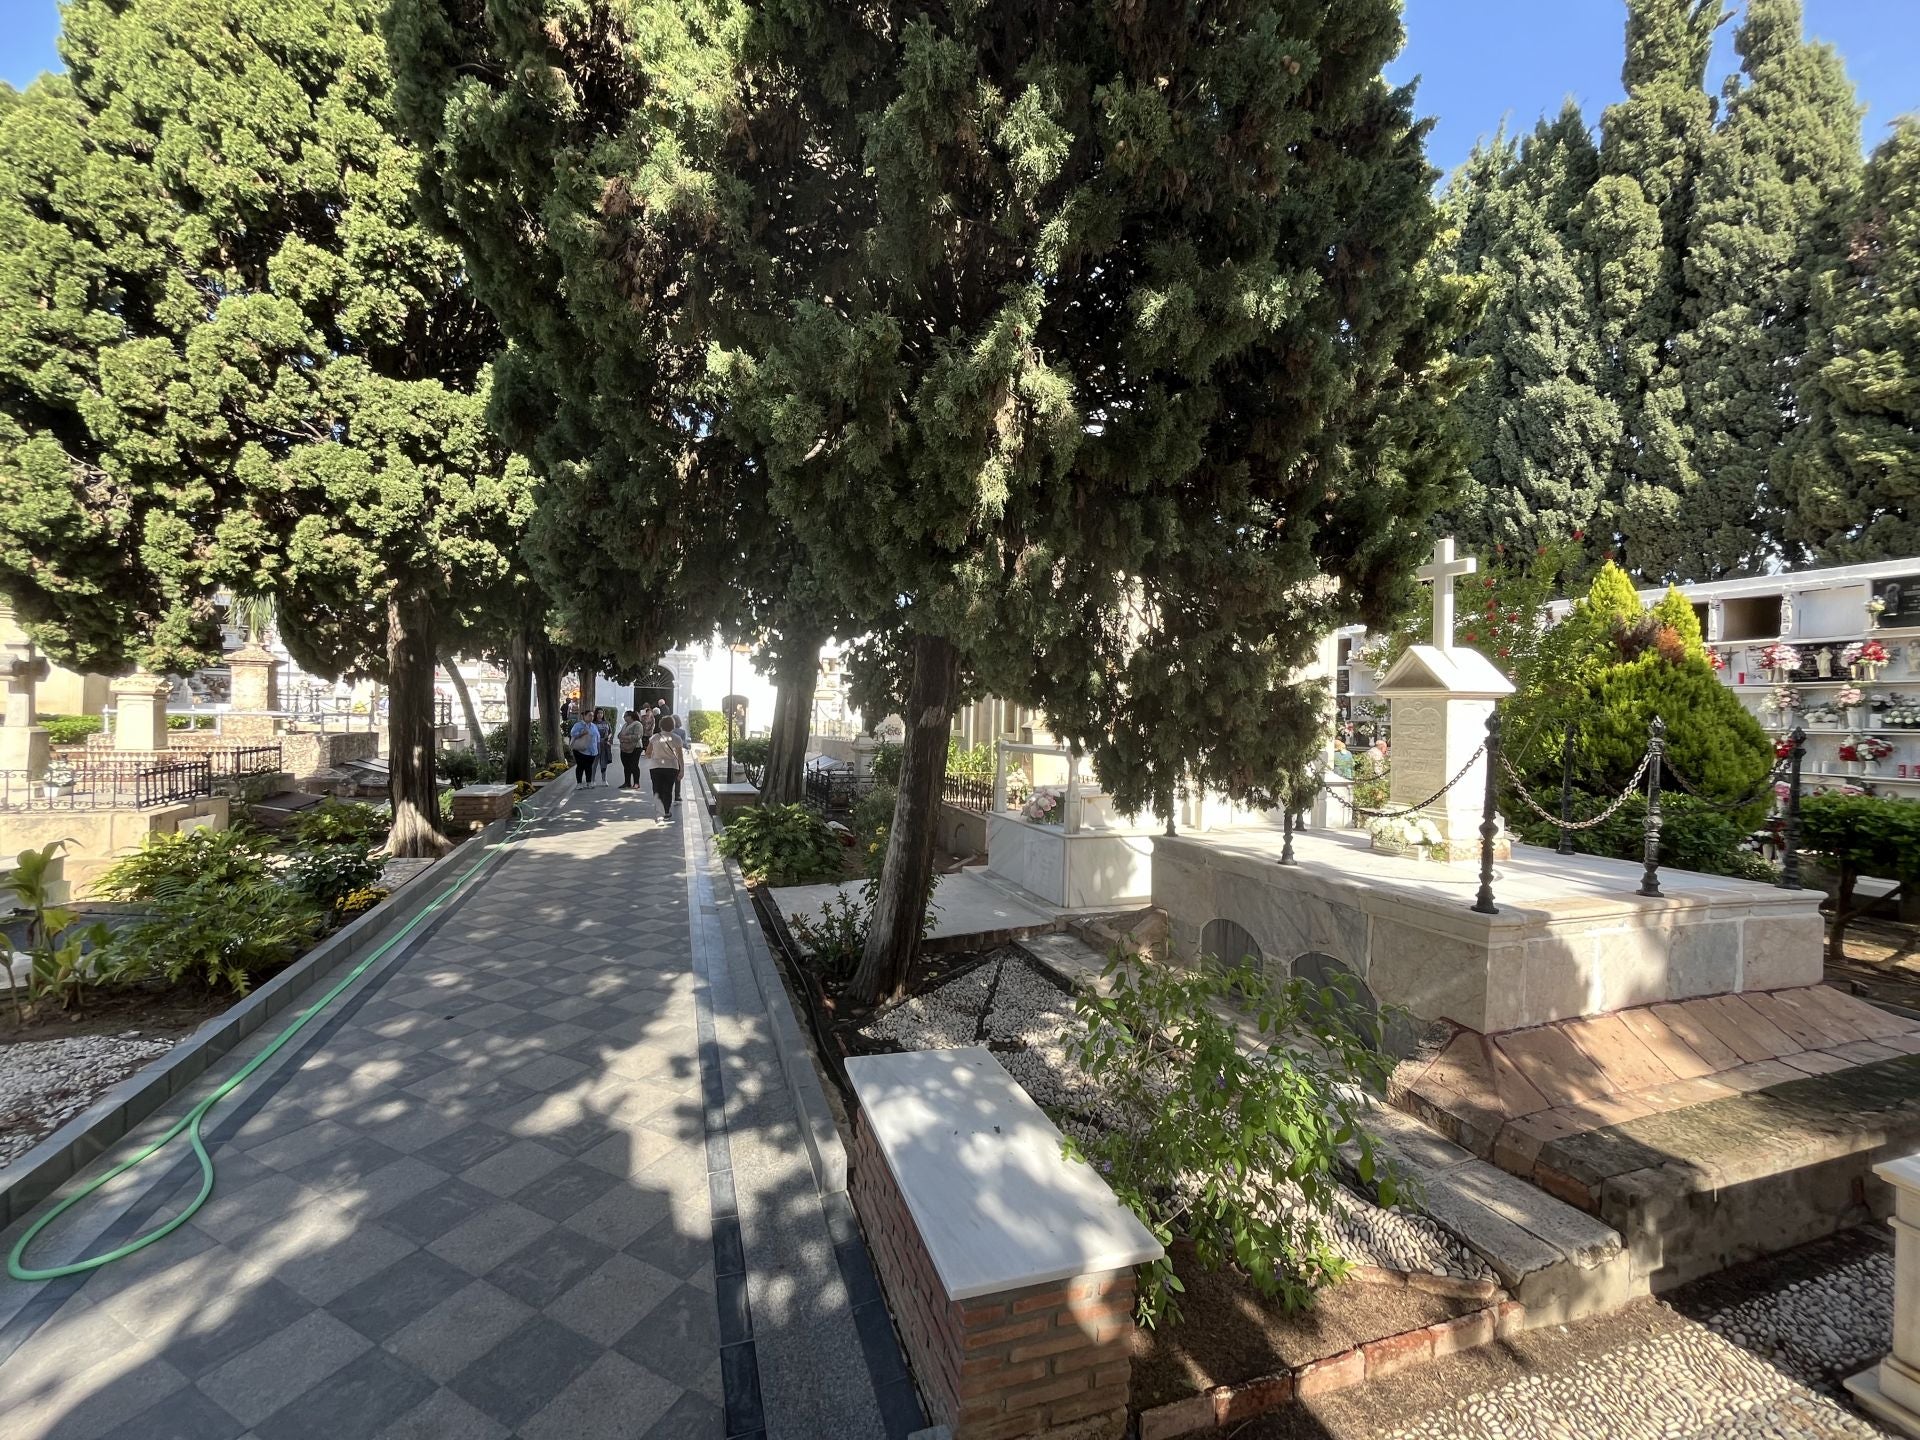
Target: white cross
<point x="1441" y="570"/>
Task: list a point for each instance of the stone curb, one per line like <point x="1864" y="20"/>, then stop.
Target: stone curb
<point x="58" y="1157"/>
<point x="826" y="1152"/>
<point x="1226" y="1406"/>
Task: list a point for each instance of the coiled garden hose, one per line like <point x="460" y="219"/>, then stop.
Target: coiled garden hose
<point x="190" y="1123"/>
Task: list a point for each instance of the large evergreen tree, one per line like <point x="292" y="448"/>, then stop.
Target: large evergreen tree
<point x="1853" y="489"/>
<point x="264" y="371"/>
<point x="1638" y="218"/>
<point x="1094" y="354"/>
<point x="1765" y="218"/>
<point x="1544" y="433"/>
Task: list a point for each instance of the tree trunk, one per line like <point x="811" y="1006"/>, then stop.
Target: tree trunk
<point x="546" y="670"/>
<point x="416" y="802"/>
<point x="796" y="676"/>
<point x="476" y="737"/>
<point x="519" y="706"/>
<point x="906" y="877"/>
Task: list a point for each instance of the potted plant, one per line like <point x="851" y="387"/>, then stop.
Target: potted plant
<point x="1852" y="699"/>
<point x="1872" y="750"/>
<point x="1864" y="658"/>
<point x="1779" y="660"/>
<point x="57" y="780"/>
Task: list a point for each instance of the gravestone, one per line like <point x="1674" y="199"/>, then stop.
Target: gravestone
<point x="140" y="712"/>
<point x="1442" y="696"/>
<point x="23" y="741"/>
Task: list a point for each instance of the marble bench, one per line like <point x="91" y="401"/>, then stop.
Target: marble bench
<point x="1009" y="1269"/>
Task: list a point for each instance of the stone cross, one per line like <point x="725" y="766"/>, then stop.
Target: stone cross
<point x="22" y="669"/>
<point x="1441" y="570"/>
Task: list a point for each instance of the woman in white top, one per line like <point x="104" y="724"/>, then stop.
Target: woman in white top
<point x="664" y="758"/>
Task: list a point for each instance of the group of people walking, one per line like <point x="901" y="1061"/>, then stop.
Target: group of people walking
<point x="650" y="737"/>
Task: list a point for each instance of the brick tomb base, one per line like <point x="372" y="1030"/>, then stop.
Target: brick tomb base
<point x="1009" y="1270"/>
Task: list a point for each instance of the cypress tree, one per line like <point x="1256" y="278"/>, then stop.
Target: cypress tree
<point x="1853" y="490"/>
<point x="1097" y="357"/>
<point x="1544" y="433"/>
<point x="1639" y="217"/>
<point x="1764" y="220"/>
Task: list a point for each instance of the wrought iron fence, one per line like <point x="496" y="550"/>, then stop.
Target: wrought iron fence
<point x="969" y="793"/>
<point x="226" y="761"/>
<point x="834" y="793"/>
<point x="106" y="784"/>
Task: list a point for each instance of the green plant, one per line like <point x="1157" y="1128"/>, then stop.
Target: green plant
<point x="708" y="728"/>
<point x="1236" y="1148"/>
<point x="71" y="729"/>
<point x="1860" y="835"/>
<point x="872" y="817"/>
<point x="341" y="822"/>
<point x="190" y="722"/>
<point x="751" y="751"/>
<point x="836" y="933"/>
<point x="460" y="766"/>
<point x="1693" y="836"/>
<point x="64" y="955"/>
<point x="969" y="764"/>
<point x="885" y="764"/>
<point x="327" y="874"/>
<point x="782" y="845"/>
<point x="217" y="911"/>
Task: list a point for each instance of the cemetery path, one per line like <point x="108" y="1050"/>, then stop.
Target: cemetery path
<point x="538" y="1176"/>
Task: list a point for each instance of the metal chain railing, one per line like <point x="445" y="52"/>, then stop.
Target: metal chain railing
<point x="1761" y="791"/>
<point x="1354" y="807"/>
<point x="1526" y="797"/>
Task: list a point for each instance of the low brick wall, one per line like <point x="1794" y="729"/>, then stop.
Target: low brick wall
<point x="479" y="805"/>
<point x="1050" y="1360"/>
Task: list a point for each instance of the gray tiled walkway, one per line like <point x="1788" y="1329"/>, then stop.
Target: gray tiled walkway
<point x="474" y="1205"/>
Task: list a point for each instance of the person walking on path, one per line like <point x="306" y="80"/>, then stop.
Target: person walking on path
<point x="606" y="742"/>
<point x="584" y="739"/>
<point x="665" y="757"/>
<point x="632" y="737"/>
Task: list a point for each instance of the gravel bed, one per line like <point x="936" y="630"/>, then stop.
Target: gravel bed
<point x="1818" y="1330"/>
<point x="1008" y="1004"/>
<point x="1687" y="1384"/>
<point x="45" y="1083"/>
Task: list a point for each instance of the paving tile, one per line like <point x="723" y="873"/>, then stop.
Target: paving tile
<point x="1789" y="1021"/>
<point x="694" y="1417"/>
<point x="359" y="1399"/>
<point x="1553" y="1065"/>
<point x="465" y="1148"/>
<point x="196" y="1333"/>
<point x="678" y="1338"/>
<point x="525" y="1372"/>
<point x="1813" y="1016"/>
<point x="514" y="1168"/>
<point x="1518" y="1096"/>
<point x="258" y="1382"/>
<point x="612" y="1400"/>
<point x="1869" y="1020"/>
<point x="1617" y="1050"/>
<point x="1685" y="1022"/>
<point x="459" y="1330"/>
<point x="565" y="1190"/>
<point x="1813" y="1062"/>
<point x="233" y="1212"/>
<point x="615" y="1297"/>
<point x="1865" y="1052"/>
<point x="399" y="1294"/>
<point x="482" y="1241"/>
<point x="183" y="1414"/>
<point x="1735" y="1027"/>
<point x="1758" y="1076"/>
<point x="1680" y="1058"/>
<point x="444" y="1416"/>
<point x="426" y="1216"/>
<point x="539" y="1273"/>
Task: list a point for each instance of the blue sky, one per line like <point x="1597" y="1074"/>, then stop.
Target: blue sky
<point x="1478" y="60"/>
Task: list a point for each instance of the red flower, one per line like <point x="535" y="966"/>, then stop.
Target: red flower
<point x="1539" y="549"/>
<point x="1470" y="637"/>
<point x="1505" y="651"/>
<point x="1488" y="582"/>
<point x="1579" y="534"/>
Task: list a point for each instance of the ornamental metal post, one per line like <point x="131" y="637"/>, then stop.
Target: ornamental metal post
<point x="1656" y="747"/>
<point x="1565" y="845"/>
<point x="1790" y="849"/>
<point x="1489" y="818"/>
<point x="1286" y="828"/>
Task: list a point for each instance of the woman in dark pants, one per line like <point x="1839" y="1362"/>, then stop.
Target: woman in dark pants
<point x="663" y="755"/>
<point x="630" y="742"/>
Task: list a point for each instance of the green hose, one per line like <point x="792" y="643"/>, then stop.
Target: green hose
<point x="190" y="1122"/>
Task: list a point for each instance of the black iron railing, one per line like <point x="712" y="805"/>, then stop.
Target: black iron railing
<point x="834" y="793"/>
<point x="106" y="785"/>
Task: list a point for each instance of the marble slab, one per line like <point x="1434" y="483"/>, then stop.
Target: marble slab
<point x="979" y="1166"/>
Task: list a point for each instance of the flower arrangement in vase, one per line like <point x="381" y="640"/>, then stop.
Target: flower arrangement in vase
<point x="58" y="778"/>
<point x="1041" y="806"/>
<point x="1871" y="750"/>
<point x="1404" y="834"/>
<point x="1876" y="607"/>
<point x="1781" y="700"/>
<point x="1779" y="660"/>
<point x="1864" y="658"/>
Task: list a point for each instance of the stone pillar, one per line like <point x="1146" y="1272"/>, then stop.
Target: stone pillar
<point x="1890" y="1391"/>
<point x="140" y="712"/>
<point x="23" y="742"/>
<point x="255" y="695"/>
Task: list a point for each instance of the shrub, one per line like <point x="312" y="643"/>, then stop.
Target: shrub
<point x="1711" y="738"/>
<point x="1236" y="1147"/>
<point x="190" y="722"/>
<point x="886" y="763"/>
<point x="1860" y="835"/>
<point x="460" y="766"/>
<point x="71" y="729"/>
<point x="327" y="874"/>
<point x="708" y="728"/>
<point x="64" y="956"/>
<point x="342" y="822"/>
<point x="752" y="751"/>
<point x="782" y="845"/>
<point x="836" y="934"/>
<point x="218" y="914"/>
<point x="872" y="815"/>
<point x="965" y="764"/>
<point x="1692" y="836"/>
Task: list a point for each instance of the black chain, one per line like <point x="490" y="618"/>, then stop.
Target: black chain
<point x="1526" y="797"/>
<point x="1355" y="808"/>
<point x="1763" y="790"/>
